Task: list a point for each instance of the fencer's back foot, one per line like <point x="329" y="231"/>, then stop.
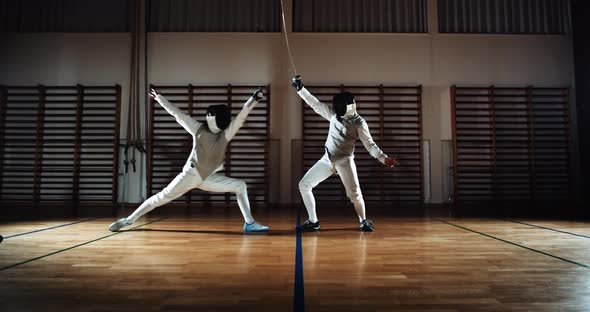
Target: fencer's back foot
<point x="119" y="224"/>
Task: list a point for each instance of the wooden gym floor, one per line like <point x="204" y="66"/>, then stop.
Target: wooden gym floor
<point x="204" y="263"/>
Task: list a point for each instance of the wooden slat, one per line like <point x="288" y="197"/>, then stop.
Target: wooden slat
<point x="72" y="139"/>
<point x="526" y="134"/>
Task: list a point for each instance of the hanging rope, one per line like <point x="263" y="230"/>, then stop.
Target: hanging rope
<point x="287" y="38"/>
<point x="133" y="142"/>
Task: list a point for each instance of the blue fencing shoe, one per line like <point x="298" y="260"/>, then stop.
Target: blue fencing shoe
<point x="255" y="227"/>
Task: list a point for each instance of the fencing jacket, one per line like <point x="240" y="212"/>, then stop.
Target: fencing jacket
<point x="208" y="153"/>
<point x="343" y="134"/>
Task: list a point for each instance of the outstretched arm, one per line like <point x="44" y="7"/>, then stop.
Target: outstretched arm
<point x="186" y="121"/>
<point x="372" y="148"/>
<point x="237" y="123"/>
<point x="322" y="109"/>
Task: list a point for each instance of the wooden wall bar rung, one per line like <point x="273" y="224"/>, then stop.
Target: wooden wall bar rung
<point x="247" y="154"/>
<point x="393" y="114"/>
<point x="58" y="138"/>
<point x="505" y="139"/>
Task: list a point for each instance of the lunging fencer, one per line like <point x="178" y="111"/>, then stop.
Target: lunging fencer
<point x="210" y="140"/>
<point x="346" y="127"/>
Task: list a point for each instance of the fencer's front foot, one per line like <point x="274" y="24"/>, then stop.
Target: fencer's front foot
<point x="255" y="227"/>
<point x="309" y="226"/>
<point x="119" y="224"/>
<point x="367" y="226"/>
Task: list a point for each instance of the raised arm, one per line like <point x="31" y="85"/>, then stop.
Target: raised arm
<point x="237" y="123"/>
<point x="322" y="109"/>
<point x="372" y="148"/>
<point x="186" y="121"/>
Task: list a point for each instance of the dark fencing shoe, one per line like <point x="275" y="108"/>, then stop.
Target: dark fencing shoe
<point x="309" y="226"/>
<point x="367" y="226"/>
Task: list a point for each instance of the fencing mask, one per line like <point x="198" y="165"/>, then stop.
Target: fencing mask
<point x="344" y="105"/>
<point x="218" y="117"/>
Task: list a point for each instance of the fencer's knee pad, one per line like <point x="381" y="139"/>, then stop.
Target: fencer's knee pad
<point x="241" y="187"/>
<point x="169" y="193"/>
<point x="304" y="187"/>
<point x="355" y="197"/>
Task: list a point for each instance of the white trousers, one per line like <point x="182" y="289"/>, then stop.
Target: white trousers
<point x="189" y="179"/>
<point x="322" y="170"/>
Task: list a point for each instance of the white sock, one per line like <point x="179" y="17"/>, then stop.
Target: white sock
<point x="244" y="204"/>
<point x="309" y="202"/>
<point x="359" y="206"/>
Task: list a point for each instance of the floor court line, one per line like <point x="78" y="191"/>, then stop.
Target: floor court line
<point x="299" y="294"/>
<point x="546" y="228"/>
<point x="512" y="243"/>
<point x="51" y="228"/>
<point x="76" y="246"/>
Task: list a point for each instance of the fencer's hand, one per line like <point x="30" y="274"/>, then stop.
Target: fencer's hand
<point x="297" y="83"/>
<point x="391" y="162"/>
<point x="153" y="93"/>
<point x="258" y="94"/>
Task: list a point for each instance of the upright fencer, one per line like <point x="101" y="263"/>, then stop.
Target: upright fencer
<point x="346" y="127"/>
<point x="210" y="140"/>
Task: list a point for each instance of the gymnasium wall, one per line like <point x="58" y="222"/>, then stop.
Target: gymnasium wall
<point x="434" y="60"/>
<point x="582" y="65"/>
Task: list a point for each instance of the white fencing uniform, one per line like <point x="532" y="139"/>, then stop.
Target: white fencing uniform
<point x="205" y="159"/>
<point x="339" y="157"/>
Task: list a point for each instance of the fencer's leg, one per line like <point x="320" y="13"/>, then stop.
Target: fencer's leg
<point x="220" y="183"/>
<point x="181" y="184"/>
<point x="314" y="176"/>
<point x="347" y="170"/>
